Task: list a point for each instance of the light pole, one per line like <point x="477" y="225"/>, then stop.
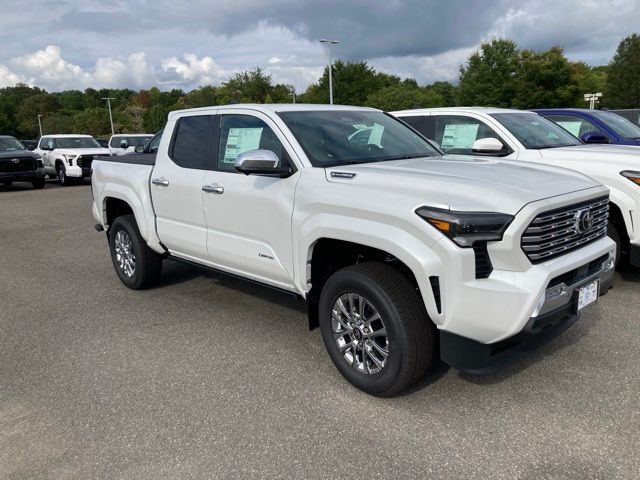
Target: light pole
<point x="329" y="43"/>
<point x="108" y="99"/>
<point x="293" y="93"/>
<point x="592" y="98"/>
<point x="40" y="124"/>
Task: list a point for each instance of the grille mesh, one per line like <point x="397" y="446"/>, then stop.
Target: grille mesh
<point x="557" y="232"/>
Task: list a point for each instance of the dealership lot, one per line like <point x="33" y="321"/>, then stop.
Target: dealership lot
<point x="207" y="376"/>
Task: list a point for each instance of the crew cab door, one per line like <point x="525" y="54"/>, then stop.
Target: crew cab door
<point x="249" y="216"/>
<point x="176" y="185"/>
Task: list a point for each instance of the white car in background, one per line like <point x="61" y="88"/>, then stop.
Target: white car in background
<point x="123" y="144"/>
<point x="524" y="135"/>
<point x="69" y="157"/>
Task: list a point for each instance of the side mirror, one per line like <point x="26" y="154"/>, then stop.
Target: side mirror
<point x="45" y="146"/>
<point x="139" y="149"/>
<point x="488" y="146"/>
<point x="594" y="137"/>
<point x="261" y="162"/>
<point x="124" y="144"/>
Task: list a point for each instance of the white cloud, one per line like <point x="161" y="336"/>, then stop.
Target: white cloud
<point x="192" y="70"/>
<point x="9" y="79"/>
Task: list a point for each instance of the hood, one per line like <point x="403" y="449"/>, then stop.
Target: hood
<point x="620" y="157"/>
<point x="17" y="153"/>
<point x="466" y="184"/>
<point x="82" y="151"/>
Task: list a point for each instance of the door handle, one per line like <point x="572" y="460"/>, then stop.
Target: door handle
<point x="162" y="182"/>
<point x="213" y="189"/>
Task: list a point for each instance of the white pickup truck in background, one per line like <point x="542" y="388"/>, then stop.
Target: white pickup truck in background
<point x="527" y="136"/>
<point x="123" y="144"/>
<point x="396" y="250"/>
<point x="69" y="157"/>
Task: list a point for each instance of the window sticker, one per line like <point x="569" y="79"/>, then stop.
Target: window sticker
<point x="572" y="127"/>
<point x="241" y="140"/>
<point x="459" y="136"/>
<point x="375" y="137"/>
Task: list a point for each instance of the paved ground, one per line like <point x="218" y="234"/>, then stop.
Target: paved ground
<point x="206" y="377"/>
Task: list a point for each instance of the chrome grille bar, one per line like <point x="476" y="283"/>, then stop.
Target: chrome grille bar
<point x="558" y="232"/>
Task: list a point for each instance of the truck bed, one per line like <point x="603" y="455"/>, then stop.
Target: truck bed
<point x="133" y="158"/>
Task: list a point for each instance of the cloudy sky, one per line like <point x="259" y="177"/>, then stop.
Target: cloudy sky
<point x="66" y="44"/>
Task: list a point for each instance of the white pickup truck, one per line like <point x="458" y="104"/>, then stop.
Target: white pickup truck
<point x="69" y="157"/>
<point x="123" y="144"/>
<point x="396" y="251"/>
<point x="527" y="136"/>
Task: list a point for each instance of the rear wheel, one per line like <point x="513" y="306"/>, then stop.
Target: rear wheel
<point x="375" y="328"/>
<point x="135" y="263"/>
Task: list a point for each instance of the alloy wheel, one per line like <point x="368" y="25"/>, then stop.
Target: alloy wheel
<point x="360" y="333"/>
<point x="125" y="255"/>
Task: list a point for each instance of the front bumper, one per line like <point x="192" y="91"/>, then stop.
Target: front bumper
<point x="634" y="255"/>
<point x="28" y="176"/>
<point x="556" y="311"/>
<point x="77" y="172"/>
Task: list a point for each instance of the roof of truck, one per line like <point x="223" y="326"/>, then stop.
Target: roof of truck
<point x="485" y="110"/>
<point x="273" y="108"/>
<point x="67" y="135"/>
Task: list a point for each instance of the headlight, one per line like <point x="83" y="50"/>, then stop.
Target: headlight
<point x="466" y="228"/>
<point x="70" y="158"/>
<point x="633" y="176"/>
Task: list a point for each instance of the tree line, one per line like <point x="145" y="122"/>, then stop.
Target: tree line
<point x="498" y="74"/>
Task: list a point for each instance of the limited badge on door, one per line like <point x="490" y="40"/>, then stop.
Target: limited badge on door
<point x="587" y="294"/>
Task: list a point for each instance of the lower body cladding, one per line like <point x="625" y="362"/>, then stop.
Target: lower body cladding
<point x="634" y="255"/>
<point x="494" y="326"/>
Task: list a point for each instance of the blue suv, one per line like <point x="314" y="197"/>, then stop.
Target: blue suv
<point x="594" y="126"/>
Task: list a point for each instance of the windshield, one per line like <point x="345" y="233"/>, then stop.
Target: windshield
<point x="534" y="131"/>
<point x="135" y="141"/>
<point x="354" y="136"/>
<point x="76" y="142"/>
<point x="623" y="127"/>
<point x="10" y="144"/>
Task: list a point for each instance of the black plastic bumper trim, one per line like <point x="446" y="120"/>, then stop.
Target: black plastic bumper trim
<point x="474" y="357"/>
<point x="634" y="256"/>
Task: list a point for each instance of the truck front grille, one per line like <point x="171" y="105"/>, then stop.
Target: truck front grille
<point x="560" y="231"/>
<point x="17" y="164"/>
<point x="85" y="161"/>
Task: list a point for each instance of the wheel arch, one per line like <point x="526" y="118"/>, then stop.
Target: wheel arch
<point x="327" y="254"/>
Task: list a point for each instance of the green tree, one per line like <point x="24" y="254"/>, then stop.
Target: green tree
<point x="545" y="79"/>
<point x="248" y="87"/>
<point x="402" y="96"/>
<point x="27" y="113"/>
<point x="447" y="90"/>
<point x="353" y="82"/>
<point x="490" y="76"/>
<point x="93" y="121"/>
<point x="588" y="80"/>
<point x="623" y="75"/>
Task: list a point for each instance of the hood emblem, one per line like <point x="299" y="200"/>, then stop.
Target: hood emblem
<point x="343" y="175"/>
<point x="583" y="221"/>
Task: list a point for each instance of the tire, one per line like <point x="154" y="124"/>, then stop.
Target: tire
<point x="147" y="264"/>
<point x="614" y="234"/>
<point x="409" y="340"/>
<point x="62" y="176"/>
<point x="38" y="184"/>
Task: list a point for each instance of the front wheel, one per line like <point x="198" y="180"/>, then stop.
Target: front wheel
<point x="135" y="263"/>
<point x="62" y="175"/>
<point x="614" y="234"/>
<point x="375" y="328"/>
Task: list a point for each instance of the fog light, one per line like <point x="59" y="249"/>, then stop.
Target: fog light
<point x="609" y="264"/>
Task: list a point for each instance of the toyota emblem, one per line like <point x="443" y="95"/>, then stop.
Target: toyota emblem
<point x="15" y="160"/>
<point x="583" y="221"/>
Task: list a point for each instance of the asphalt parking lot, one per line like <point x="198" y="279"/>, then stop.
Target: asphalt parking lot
<point x="208" y="377"/>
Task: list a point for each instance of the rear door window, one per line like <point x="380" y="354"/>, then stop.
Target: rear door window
<point x="193" y="142"/>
